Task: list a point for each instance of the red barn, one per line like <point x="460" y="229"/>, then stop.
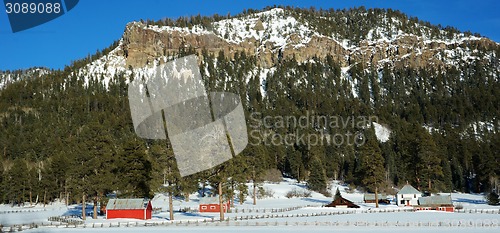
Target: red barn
<point x="129" y="208"/>
<point x="211" y="204"/>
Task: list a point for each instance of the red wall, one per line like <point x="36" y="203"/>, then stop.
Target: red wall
<point x="213" y="207"/>
<point x="137" y="214"/>
<point x="447" y="209"/>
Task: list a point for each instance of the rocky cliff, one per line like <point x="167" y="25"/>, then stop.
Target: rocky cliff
<point x="274" y="35"/>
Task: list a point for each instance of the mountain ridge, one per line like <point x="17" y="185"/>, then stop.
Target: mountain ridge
<point x="281" y="36"/>
<point x="142" y="43"/>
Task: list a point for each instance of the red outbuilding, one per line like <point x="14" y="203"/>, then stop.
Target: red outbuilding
<point x="129" y="208"/>
<point x="438" y="202"/>
<point x="211" y="204"/>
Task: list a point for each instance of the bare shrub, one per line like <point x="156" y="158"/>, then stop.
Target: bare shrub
<point x="263" y="193"/>
<point x="298" y="193"/>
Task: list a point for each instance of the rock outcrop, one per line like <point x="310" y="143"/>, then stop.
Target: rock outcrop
<point x="143" y="44"/>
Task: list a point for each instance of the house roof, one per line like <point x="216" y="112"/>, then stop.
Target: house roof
<point x="408" y="189"/>
<point x="435" y="200"/>
<point x="342" y="202"/>
<point x="371" y="196"/>
<point x="209" y="200"/>
<point x="126" y="204"/>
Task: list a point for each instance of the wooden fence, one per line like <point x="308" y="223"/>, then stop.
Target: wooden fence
<point x="486" y="223"/>
<point x="269" y="218"/>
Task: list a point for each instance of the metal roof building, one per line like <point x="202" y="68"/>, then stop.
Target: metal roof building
<point x="408" y="189"/>
<point x="129" y="208"/>
<point x="439" y="200"/>
<point x="408" y="196"/>
<point x="370" y="198"/>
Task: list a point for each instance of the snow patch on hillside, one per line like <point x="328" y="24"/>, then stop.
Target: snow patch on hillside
<point x="346" y="76"/>
<point x="264" y="73"/>
<point x="10" y="77"/>
<point x="106" y="67"/>
<point x="383" y="133"/>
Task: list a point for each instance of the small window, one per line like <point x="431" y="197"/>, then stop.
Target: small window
<point x="212" y="207"/>
<point x="203" y="207"/>
<point x="414" y="195"/>
<point x="402" y="202"/>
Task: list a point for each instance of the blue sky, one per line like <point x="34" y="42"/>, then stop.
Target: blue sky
<point x="94" y="24"/>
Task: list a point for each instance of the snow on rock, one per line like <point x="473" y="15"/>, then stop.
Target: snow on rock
<point x="197" y="29"/>
<point x="106" y="67"/>
<point x="272" y="26"/>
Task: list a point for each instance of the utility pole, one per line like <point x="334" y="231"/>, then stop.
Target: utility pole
<point x="168" y="184"/>
<point x="171" y="205"/>
<point x="83" y="208"/>
<point x="96" y="202"/>
<point x="220" y="202"/>
<point x="254" y="188"/>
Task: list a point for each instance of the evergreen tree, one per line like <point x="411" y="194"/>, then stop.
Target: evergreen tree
<point x="2" y="185"/>
<point x="337" y="194"/>
<point x="317" y="178"/>
<point x="492" y="198"/>
<point x="135" y="169"/>
<point x="17" y="182"/>
<point x="428" y="164"/>
<point x="371" y="162"/>
<point x="166" y="177"/>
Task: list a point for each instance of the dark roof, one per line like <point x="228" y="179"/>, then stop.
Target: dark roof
<point x="342" y="202"/>
<point x="371" y="196"/>
<point x="439" y="200"/>
<point x="126" y="204"/>
<point x="408" y="189"/>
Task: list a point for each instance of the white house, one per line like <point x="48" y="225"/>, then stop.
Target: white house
<point x="408" y="196"/>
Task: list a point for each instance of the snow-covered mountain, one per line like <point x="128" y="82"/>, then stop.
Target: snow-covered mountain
<point x="393" y="42"/>
<point x="278" y="34"/>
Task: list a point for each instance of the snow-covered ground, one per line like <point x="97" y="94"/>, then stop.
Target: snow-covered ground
<point x="273" y="214"/>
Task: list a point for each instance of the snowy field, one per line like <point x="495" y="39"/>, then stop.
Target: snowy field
<point x="272" y="214"/>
